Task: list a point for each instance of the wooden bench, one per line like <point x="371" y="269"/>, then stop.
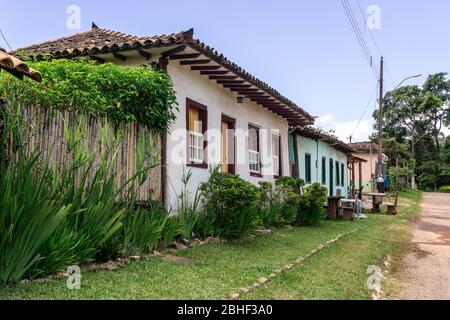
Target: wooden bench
<point x="392" y="207"/>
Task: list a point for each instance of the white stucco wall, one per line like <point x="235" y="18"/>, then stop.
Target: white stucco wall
<point x="192" y="85"/>
<point x="317" y="150"/>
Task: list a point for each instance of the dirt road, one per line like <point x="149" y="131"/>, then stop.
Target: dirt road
<point x="426" y="272"/>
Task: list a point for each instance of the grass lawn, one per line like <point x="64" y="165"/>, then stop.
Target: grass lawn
<point x="337" y="272"/>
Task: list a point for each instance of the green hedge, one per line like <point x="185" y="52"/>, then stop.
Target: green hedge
<point x="120" y="93"/>
<point x="445" y="189"/>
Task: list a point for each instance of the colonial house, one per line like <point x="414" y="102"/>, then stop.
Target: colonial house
<point x="368" y="151"/>
<point x="225" y="114"/>
<point x="319" y="157"/>
<point x="225" y="117"/>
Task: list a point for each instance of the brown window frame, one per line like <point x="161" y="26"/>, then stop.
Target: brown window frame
<point x="258" y="145"/>
<point x="280" y="156"/>
<point x="204" y="116"/>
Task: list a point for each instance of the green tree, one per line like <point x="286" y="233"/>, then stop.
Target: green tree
<point x="414" y="117"/>
<point x="404" y="110"/>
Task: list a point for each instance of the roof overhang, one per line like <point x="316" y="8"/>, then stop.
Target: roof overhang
<point x="186" y="50"/>
<point x="316" y="134"/>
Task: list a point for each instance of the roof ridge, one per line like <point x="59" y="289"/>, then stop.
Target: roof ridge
<point x="116" y="33"/>
<point x="51" y="40"/>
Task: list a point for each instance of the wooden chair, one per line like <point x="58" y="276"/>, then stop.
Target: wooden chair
<point x="392" y="207"/>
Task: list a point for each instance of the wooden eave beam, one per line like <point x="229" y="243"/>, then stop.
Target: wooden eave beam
<point x="237" y="86"/>
<point x="98" y="59"/>
<point x="190" y="62"/>
<point x="173" y="51"/>
<point x="203" y="68"/>
<point x="145" y="54"/>
<point x="220" y="72"/>
<point x="223" y="77"/>
<point x="247" y="90"/>
<point x="230" y="81"/>
<point x="119" y="56"/>
<point x="184" y="56"/>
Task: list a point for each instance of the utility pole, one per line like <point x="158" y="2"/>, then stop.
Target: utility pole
<point x="380" y="122"/>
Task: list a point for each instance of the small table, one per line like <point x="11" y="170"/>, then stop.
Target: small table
<point x="377" y="200"/>
<point x="348" y="208"/>
<point x="333" y="207"/>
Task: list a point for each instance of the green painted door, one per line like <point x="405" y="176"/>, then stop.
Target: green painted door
<point x="331" y="188"/>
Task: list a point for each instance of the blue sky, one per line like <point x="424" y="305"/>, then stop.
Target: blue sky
<point x="305" y="49"/>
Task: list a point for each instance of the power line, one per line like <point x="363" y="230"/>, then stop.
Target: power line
<point x="375" y="41"/>
<point x="370" y="31"/>
<point x="359" y="36"/>
<point x="390" y="75"/>
<point x="6" y="41"/>
<point x="366" y="109"/>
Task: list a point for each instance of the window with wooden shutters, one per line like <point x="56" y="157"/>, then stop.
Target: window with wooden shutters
<point x="197" y="116"/>
<point x="253" y="150"/>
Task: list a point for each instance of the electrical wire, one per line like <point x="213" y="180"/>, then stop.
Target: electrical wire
<point x="375" y="42"/>
<point x="359" y="36"/>
<point x="366" y="109"/>
<point x="6" y="41"/>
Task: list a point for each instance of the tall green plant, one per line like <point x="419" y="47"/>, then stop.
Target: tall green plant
<point x="143" y="228"/>
<point x="27" y="218"/>
<point x="188" y="207"/>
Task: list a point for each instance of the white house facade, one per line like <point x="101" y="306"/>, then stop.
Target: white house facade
<point x="221" y="109"/>
<point x="225" y="116"/>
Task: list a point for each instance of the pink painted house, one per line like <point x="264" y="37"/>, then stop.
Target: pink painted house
<point x="368" y="151"/>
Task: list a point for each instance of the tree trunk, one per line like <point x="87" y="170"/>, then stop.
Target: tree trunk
<point x="413" y="167"/>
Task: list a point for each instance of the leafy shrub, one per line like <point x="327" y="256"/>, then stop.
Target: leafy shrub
<point x="311" y="204"/>
<point x="295" y="184"/>
<point x="278" y="206"/>
<point x="229" y="205"/>
<point x="120" y="93"/>
<point x="287" y="200"/>
<point x="445" y="189"/>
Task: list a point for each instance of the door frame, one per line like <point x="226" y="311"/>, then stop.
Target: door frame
<point x="231" y="125"/>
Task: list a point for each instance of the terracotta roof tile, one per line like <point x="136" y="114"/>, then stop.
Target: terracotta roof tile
<point x="328" y="138"/>
<point x="17" y="67"/>
<point x="365" y="147"/>
<point x="97" y="41"/>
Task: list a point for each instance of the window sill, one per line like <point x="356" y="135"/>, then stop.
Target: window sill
<point x="256" y="175"/>
<point x="198" y="165"/>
